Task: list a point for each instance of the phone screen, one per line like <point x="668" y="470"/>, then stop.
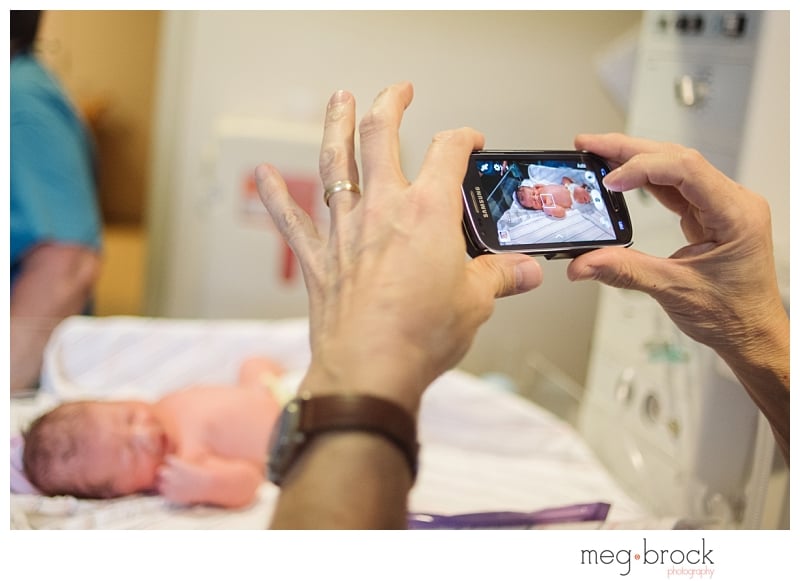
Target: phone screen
<point x="542" y="202"/>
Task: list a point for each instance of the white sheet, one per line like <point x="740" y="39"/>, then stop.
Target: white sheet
<point x="483" y="449"/>
<point x="542" y="174"/>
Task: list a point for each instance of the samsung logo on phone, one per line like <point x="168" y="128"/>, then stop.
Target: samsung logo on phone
<point x="478" y="203"/>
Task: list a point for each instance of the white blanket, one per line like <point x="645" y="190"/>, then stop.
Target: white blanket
<point x="483" y="449"/>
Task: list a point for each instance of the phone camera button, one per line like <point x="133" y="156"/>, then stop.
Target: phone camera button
<point x="614" y="201"/>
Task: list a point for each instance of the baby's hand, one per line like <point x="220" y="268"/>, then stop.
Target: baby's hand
<point x="555" y="212"/>
<point x="181" y="481"/>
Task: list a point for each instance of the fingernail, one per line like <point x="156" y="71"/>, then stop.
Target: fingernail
<point x="338" y="105"/>
<point x="588" y="273"/>
<point x="262" y="172"/>
<point x="528" y="275"/>
<point x="339" y="97"/>
<point x="610" y="181"/>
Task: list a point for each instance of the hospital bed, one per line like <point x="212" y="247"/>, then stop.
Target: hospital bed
<point x="484" y="449"/>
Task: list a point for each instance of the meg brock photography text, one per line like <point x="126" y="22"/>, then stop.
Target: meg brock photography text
<point x="695" y="561"/>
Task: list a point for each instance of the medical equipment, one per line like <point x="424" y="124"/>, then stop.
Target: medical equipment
<point x="665" y="414"/>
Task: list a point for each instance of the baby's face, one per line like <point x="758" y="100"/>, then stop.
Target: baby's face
<point x="529" y="197"/>
<point x="126" y="446"/>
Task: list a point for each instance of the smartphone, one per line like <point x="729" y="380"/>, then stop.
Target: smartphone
<point x="543" y="203"/>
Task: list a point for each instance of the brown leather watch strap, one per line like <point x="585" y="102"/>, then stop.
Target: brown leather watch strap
<point x="361" y="412"/>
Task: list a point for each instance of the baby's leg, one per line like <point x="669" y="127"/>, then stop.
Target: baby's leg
<point x="580" y="195"/>
<point x="259" y="372"/>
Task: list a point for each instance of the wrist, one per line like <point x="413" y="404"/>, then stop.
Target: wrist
<point x="761" y="363"/>
<point x="763" y="343"/>
<point x="390" y="378"/>
<point x="309" y="417"/>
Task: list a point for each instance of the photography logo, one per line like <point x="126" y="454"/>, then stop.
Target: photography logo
<point x="686" y="562"/>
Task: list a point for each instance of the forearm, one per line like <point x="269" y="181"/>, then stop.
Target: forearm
<point x="56" y="282"/>
<point x="28" y="338"/>
<point x="370" y="493"/>
<point x="224" y="482"/>
<point x="762" y="366"/>
<point x="230" y="483"/>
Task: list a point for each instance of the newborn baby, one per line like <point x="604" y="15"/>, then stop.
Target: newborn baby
<point x="553" y="199"/>
<point x="204" y="444"/>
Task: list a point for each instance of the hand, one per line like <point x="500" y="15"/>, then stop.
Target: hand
<point x="722" y="285"/>
<point x="393" y="300"/>
<point x="181" y="481"/>
<point x="720" y="288"/>
<point x="555" y="212"/>
<point x="210" y="479"/>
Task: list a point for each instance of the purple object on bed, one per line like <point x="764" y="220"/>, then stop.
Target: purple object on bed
<point x="595" y="511"/>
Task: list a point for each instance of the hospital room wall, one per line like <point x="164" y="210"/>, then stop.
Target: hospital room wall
<point x="526" y="79"/>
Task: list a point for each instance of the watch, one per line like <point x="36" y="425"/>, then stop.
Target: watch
<point x="307" y="416"/>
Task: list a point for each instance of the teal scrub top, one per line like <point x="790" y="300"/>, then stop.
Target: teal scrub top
<point x="53" y="188"/>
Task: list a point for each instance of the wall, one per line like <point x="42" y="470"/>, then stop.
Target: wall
<point x="106" y="60"/>
<point x="526" y="79"/>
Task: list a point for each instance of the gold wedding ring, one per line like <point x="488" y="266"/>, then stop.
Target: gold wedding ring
<point x="338" y="187"/>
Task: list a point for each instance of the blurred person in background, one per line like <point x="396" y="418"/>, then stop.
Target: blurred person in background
<point x="55" y="219"/>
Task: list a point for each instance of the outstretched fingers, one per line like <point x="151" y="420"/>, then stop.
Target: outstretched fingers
<point x="441" y="174"/>
<point x="292" y="222"/>
<point x="337" y="162"/>
<point x="380" y="141"/>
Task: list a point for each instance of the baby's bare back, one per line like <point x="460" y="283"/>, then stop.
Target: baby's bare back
<point x="227" y="421"/>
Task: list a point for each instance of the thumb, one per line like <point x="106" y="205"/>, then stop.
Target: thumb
<point x="507" y="274"/>
<point x="622" y="268"/>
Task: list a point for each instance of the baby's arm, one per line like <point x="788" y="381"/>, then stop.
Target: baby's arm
<point x="225" y="482"/>
<point x="554" y="211"/>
